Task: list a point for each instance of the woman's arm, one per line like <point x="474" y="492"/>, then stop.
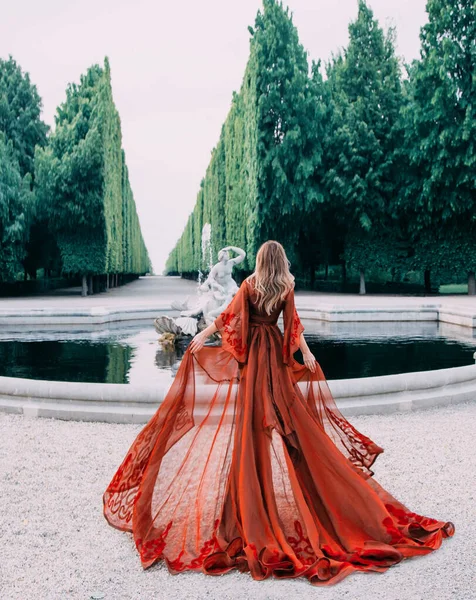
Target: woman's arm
<point x="294" y="335"/>
<point x="200" y="338"/>
<point x="308" y="356"/>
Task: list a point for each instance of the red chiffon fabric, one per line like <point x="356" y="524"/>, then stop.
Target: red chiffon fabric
<point x="249" y="464"/>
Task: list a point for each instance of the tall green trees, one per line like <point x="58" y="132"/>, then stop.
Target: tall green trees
<point x="70" y="178"/>
<point x="440" y="136"/>
<point x="20" y="109"/>
<point x="83" y="187"/>
<point x="22" y="129"/>
<point x="365" y="167"/>
<point x="362" y="179"/>
<point x="309" y="162"/>
<point x="287" y="121"/>
<point x="65" y="199"/>
<point x="314" y="218"/>
<point x="16" y="210"/>
<point x="135" y="258"/>
<point x="260" y="179"/>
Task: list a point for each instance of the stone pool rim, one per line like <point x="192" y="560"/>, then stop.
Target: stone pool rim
<point x="132" y="403"/>
<point x="312" y="310"/>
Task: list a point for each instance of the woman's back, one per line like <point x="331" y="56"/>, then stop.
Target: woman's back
<point x="259" y="314"/>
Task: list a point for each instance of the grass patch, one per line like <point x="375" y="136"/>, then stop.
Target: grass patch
<point x="454" y="288"/>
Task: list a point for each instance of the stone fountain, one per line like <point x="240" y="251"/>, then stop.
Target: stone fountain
<point x="213" y="295"/>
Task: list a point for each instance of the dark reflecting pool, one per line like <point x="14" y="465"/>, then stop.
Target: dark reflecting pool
<point x="130" y="353"/>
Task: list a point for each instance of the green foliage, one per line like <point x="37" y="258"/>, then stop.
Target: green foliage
<point x="239" y="161"/>
<point x="288" y="121"/>
<point x="22" y="128"/>
<point x="319" y="231"/>
<point x="16" y="211"/>
<point x="264" y="162"/>
<point x="363" y="168"/>
<point x="362" y="178"/>
<point x="135" y="258"/>
<point x="83" y="186"/>
<point x="70" y="178"/>
<point x="440" y="133"/>
<point x="20" y="108"/>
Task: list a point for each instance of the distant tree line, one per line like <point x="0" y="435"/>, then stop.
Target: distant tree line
<point x="66" y="204"/>
<point x="370" y="165"/>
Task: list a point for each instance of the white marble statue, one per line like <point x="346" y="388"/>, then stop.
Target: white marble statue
<point x="215" y="293"/>
<point x="220" y="282"/>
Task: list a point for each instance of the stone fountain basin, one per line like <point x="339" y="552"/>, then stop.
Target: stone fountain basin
<point x="125" y="403"/>
<point x="128" y="403"/>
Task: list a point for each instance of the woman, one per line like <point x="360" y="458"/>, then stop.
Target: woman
<point x="249" y="464"/>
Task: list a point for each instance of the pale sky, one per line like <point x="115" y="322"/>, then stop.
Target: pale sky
<point x="174" y="66"/>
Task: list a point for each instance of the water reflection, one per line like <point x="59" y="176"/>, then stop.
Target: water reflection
<point x="129" y="352"/>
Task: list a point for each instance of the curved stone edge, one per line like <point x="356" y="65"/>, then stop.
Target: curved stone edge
<point x="425" y="311"/>
<point x="405" y="391"/>
<point x="455" y="315"/>
<point x="95" y="315"/>
<point x="124" y="403"/>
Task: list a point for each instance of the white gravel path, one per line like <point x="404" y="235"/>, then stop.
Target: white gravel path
<point x="55" y="543"/>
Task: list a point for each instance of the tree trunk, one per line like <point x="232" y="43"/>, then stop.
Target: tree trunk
<point x="362" y="283"/>
<point x="312" y="276"/>
<point x="90" y="285"/>
<point x="84" y="286"/>
<point x="107" y="282"/>
<point x="471" y="283"/>
<point x="427" y="281"/>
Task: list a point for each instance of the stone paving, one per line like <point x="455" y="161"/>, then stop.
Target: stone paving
<point x="158" y="290"/>
<point x="56" y="545"/>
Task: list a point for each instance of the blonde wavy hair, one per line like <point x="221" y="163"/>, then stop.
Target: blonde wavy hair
<point x="271" y="279"/>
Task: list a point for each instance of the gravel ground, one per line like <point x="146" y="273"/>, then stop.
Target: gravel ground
<point x="56" y="544"/>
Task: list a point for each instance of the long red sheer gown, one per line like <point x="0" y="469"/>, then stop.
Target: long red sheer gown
<point x="249" y="464"/>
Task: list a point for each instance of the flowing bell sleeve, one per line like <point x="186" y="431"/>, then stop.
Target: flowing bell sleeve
<point x="292" y="329"/>
<point x="233" y="325"/>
